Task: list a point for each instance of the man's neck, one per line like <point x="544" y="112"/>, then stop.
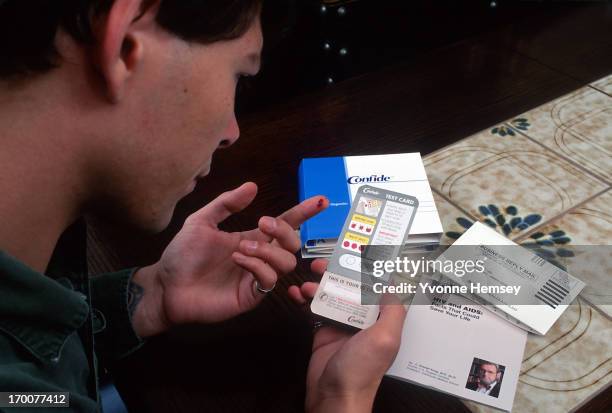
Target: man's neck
<point x="40" y="182"/>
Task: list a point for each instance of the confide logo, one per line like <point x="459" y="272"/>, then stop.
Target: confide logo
<point x="356" y="179"/>
<point x="355" y="320"/>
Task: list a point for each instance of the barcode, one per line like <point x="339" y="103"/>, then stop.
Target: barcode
<point x="552" y="293"/>
<point x="538" y="260"/>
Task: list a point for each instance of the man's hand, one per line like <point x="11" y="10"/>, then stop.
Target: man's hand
<point x="207" y="275"/>
<point x="346" y="369"/>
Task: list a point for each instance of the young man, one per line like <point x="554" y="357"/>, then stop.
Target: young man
<point x="115" y="108"/>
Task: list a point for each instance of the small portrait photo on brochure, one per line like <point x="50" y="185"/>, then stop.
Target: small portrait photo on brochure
<point x="485" y="377"/>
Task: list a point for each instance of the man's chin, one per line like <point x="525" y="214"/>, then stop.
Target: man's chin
<point x="152" y="223"/>
<point x="159" y="223"/>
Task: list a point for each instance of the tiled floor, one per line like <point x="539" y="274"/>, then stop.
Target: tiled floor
<point x="577" y="127"/>
<point x="587" y="227"/>
<point x="566" y="367"/>
<point x="545" y="175"/>
<point x="504" y="177"/>
<point x="604" y="85"/>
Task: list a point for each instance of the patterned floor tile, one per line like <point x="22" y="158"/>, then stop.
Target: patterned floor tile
<point x="565" y="367"/>
<point x="508" y="181"/>
<point x="577" y="126"/>
<point x="454" y="221"/>
<point x="605" y="85"/>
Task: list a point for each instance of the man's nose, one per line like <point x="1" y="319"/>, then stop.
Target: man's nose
<point x="231" y="133"/>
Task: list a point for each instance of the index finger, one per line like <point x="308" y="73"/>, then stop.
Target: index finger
<point x="297" y="215"/>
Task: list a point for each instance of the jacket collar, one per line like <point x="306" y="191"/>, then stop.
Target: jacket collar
<point x="40" y="313"/>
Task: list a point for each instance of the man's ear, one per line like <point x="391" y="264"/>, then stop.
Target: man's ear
<point x="119" y="49"/>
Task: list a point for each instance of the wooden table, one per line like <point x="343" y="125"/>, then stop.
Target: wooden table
<point x="258" y="361"/>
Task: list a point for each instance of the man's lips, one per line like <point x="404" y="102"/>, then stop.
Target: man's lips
<point x="204" y="173"/>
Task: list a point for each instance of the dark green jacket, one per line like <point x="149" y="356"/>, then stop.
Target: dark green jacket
<point x="54" y="331"/>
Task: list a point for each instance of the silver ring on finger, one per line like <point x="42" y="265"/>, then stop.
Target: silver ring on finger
<point x="261" y="290"/>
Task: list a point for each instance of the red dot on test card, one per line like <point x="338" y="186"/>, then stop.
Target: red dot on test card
<point x="346" y="243"/>
<point x="354" y="246"/>
<point x="368" y="229"/>
<point x="353" y="225"/>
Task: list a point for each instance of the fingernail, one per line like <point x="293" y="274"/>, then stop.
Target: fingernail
<point x="269" y="223"/>
<point x="251" y="245"/>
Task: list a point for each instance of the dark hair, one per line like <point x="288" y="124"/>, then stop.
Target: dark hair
<point x="491" y="364"/>
<point x="28" y="27"/>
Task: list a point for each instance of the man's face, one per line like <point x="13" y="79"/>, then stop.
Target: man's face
<point x="177" y="110"/>
<point x="488" y="374"/>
